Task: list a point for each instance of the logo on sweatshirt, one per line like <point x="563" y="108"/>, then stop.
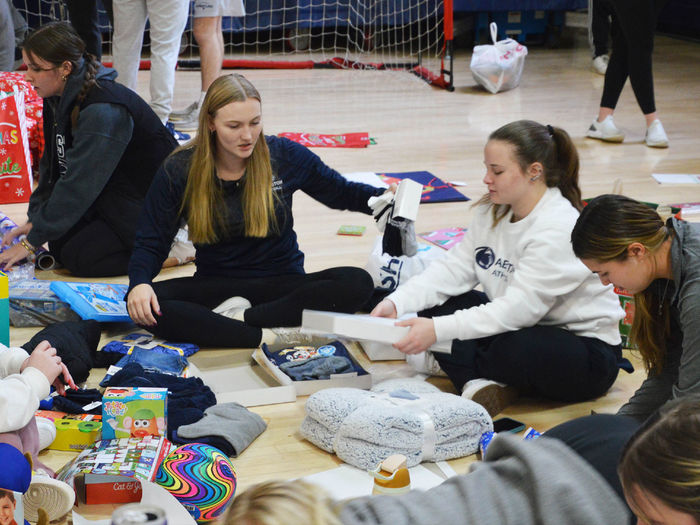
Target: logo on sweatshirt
<point x="484" y="257"/>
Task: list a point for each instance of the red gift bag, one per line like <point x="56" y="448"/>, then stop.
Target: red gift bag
<point x="15" y="161"/>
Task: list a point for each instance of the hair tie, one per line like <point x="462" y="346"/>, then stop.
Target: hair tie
<point x="550" y="130"/>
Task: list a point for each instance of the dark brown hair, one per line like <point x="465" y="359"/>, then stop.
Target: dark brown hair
<point x="603" y="232"/>
<point x="57" y="42"/>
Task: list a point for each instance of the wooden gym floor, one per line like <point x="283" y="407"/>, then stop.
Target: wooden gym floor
<point x="421" y="128"/>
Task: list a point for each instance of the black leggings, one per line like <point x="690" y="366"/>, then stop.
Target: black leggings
<point x="632" y="30"/>
<point x="599" y="15"/>
<point x="92" y="249"/>
<point x="186" y="304"/>
<point x="545" y="360"/>
<point x="600" y="440"/>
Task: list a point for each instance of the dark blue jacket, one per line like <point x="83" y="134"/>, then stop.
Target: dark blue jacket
<point x="235" y="255"/>
<point x="102" y="168"/>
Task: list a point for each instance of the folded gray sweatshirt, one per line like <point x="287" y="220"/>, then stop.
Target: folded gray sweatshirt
<point x="538" y="482"/>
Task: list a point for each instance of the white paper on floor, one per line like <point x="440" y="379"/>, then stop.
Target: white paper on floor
<point x="676" y="178"/>
<point x="345" y="482"/>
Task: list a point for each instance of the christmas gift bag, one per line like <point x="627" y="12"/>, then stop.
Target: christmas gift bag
<point x="15" y="161"/>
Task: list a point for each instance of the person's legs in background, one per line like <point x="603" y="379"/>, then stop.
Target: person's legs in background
<point x="7" y="37"/>
<point x="83" y="17"/>
<point x="633" y="29"/>
<point x="127" y="39"/>
<point x="207" y="29"/>
<point x="598" y="31"/>
<point x="167" y="22"/>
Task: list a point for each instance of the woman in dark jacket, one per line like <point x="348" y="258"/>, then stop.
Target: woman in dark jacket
<point x="103" y="147"/>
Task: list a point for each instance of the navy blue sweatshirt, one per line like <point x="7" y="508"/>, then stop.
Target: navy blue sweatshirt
<point x="294" y="168"/>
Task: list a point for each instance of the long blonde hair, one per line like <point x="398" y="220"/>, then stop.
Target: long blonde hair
<point x="603" y="232"/>
<point x="663" y="458"/>
<point x="203" y="200"/>
<point x="282" y="503"/>
<point x="550" y="146"/>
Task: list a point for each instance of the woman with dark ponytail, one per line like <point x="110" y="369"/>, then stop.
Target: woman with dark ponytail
<point x="103" y="147"/>
<point x="626" y="243"/>
<point x="543" y="323"/>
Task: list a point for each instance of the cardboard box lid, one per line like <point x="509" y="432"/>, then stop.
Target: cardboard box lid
<point x="235" y="376"/>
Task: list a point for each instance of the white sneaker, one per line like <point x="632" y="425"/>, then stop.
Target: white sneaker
<point x="47" y="431"/>
<point x="232" y="307"/>
<point x="606" y="130"/>
<point x="191" y="123"/>
<point x="184" y="114"/>
<point x="493" y="396"/>
<point x="425" y="363"/>
<point x="52" y="495"/>
<point x="182" y="248"/>
<point x="600" y="64"/>
<point x="656" y="136"/>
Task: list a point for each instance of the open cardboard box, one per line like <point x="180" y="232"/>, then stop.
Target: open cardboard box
<point x="308" y="387"/>
<point x="235" y="377"/>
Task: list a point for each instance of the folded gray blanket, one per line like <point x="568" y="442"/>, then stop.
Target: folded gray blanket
<point x="399" y="416"/>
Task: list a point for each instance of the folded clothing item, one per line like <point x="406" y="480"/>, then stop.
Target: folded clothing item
<point x="302" y="363"/>
<point x="144" y="340"/>
<point x="399" y="416"/>
<point x="152" y="361"/>
<point x="230" y="427"/>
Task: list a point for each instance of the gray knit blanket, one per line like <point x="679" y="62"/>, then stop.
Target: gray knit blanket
<point x="399" y="416"/>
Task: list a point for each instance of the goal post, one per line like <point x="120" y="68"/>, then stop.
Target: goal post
<point x="414" y="36"/>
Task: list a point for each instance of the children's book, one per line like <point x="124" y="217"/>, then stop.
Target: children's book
<point x="99" y="301"/>
<point x="111" y="470"/>
<point x="434" y="188"/>
<point x="445" y="237"/>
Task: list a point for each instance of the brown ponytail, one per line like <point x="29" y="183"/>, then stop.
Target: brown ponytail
<point x="550" y="146"/>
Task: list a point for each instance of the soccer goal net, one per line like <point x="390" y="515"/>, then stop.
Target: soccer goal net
<point x="403" y="35"/>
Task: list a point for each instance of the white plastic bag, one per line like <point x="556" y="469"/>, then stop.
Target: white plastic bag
<point x="389" y="271"/>
<point x="498" y="66"/>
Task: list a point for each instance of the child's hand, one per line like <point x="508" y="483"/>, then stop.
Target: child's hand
<point x="64" y="380"/>
<point x="45" y="359"/>
<point x="420" y="336"/>
<point x="385" y="309"/>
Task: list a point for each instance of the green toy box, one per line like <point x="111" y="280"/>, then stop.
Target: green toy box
<point x="134" y="412"/>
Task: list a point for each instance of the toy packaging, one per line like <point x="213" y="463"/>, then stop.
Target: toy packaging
<point x="111" y="470"/>
<point x="32" y="303"/>
<point x="99" y="301"/>
<point x="73" y="431"/>
<point x="134" y="412"/>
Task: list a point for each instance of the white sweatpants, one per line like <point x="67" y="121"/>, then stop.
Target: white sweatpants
<point x="167" y="22"/>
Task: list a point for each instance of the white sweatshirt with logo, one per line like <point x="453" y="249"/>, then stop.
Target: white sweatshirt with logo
<point x="529" y="273"/>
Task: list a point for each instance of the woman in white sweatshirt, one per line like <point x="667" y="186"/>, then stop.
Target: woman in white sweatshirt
<point x="543" y="323"/>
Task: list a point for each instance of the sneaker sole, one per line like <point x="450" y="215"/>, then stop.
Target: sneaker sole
<point x="657" y="144"/>
<point x="495" y="398"/>
<point x="613" y="138"/>
<point x="54" y="496"/>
